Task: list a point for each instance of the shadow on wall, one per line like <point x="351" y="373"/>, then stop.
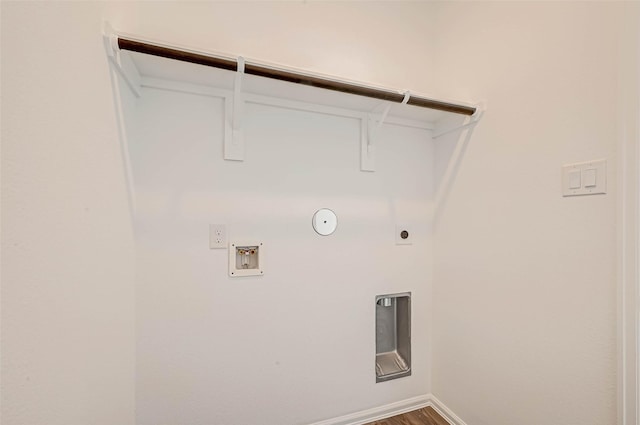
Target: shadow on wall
<point x="451" y="136"/>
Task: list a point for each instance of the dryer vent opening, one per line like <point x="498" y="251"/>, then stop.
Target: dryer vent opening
<point x="393" y="336"/>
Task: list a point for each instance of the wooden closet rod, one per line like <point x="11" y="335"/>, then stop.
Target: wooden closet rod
<point x="290" y="76"/>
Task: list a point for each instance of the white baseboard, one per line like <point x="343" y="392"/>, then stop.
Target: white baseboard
<point x="444" y="411"/>
<point x="393" y="409"/>
<point x="382" y="412"/>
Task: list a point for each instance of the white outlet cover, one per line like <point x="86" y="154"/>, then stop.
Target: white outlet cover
<point x="404" y="234"/>
<point x="217" y="236"/>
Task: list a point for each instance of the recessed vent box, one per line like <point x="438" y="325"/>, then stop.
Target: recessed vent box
<point x="393" y="336"/>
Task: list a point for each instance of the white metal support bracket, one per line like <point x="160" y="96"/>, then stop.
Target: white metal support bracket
<point x="470" y="122"/>
<point x="234" y="135"/>
<point x="122" y="63"/>
<point x="132" y="79"/>
<point x="370" y="131"/>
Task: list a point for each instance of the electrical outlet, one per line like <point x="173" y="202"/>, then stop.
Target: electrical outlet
<point x="217" y="236"/>
<point x="404" y="234"/>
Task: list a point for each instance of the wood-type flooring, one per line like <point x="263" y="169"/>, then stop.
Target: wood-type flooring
<point x="424" y="416"/>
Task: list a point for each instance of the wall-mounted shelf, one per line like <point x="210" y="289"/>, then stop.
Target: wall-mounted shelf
<point x="290" y="75"/>
<point x="237" y="81"/>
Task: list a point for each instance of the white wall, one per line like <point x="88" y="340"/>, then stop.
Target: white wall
<point x="67" y="305"/>
<point x="526" y="331"/>
<point x="376" y="43"/>
<point x="525" y="286"/>
<point x="67" y="246"/>
<point x="294" y="34"/>
<point x="210" y="345"/>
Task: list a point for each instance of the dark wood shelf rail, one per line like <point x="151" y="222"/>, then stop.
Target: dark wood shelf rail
<point x="290" y="76"/>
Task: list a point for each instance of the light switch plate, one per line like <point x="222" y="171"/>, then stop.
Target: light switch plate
<point x="592" y="178"/>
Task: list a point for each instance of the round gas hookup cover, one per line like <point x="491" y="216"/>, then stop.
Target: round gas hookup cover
<point x="324" y="222"/>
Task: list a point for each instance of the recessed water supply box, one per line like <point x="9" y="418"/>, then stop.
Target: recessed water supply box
<point x="393" y="336"/>
<point x="246" y="259"/>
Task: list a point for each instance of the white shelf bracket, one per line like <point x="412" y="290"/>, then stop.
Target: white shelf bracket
<point x="122" y="63"/>
<point x="369" y="134"/>
<point x="470" y="122"/>
<point x="234" y="135"/>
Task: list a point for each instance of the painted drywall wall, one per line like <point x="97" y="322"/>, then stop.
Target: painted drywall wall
<point x="85" y="373"/>
<point x="67" y="278"/>
<point x="352" y="48"/>
<point x="209" y="344"/>
<point x="67" y="246"/>
<point x="374" y="43"/>
<point x="525" y="286"/>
